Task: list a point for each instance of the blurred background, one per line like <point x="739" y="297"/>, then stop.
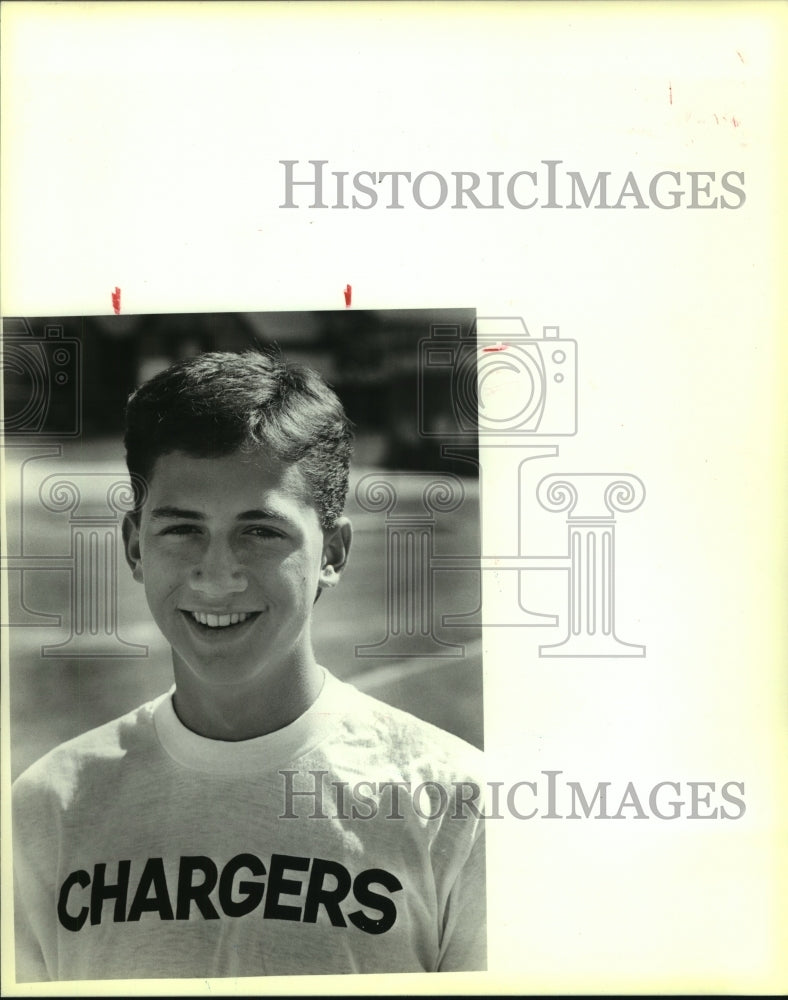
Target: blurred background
<point x="83" y="648"/>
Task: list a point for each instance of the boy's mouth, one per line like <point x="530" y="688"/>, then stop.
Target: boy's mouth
<point x="213" y="621"/>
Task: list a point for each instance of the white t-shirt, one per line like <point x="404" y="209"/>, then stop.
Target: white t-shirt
<point x="350" y="841"/>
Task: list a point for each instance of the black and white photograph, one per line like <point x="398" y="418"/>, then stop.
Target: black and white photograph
<point x="392" y="498"/>
<point x="216" y="750"/>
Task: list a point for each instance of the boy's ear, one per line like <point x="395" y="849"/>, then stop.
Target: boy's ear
<point x="336" y="546"/>
<point x="131" y="544"/>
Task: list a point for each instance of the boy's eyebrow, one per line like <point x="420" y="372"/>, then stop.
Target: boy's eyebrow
<point x="191" y="515"/>
<point x="261" y="514"/>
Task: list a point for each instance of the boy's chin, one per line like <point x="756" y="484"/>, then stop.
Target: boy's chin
<point x="218" y="671"/>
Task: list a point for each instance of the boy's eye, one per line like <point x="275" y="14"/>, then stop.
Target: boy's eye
<point x="261" y="531"/>
<point x="179" y="529"/>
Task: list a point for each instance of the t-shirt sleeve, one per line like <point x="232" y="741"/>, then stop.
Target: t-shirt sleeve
<point x="30" y="966"/>
<point x="32" y="902"/>
<point x="464" y="941"/>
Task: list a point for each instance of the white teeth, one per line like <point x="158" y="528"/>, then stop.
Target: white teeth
<point x="220" y="621"/>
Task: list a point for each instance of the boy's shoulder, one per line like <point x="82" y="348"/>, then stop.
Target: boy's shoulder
<point x="59" y="771"/>
<point x="393" y="736"/>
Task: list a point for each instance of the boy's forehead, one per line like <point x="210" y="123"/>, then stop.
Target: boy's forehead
<point x="228" y="479"/>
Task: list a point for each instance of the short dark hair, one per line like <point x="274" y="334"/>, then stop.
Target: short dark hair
<point x="218" y="403"/>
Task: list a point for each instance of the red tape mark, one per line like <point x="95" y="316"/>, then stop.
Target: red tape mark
<point x="498" y="347"/>
<point x="116" y="301"/>
<point x="347" y="293"/>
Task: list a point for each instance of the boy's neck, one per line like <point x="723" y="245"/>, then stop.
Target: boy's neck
<point x="241" y="712"/>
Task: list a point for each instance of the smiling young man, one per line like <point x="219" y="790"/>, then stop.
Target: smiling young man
<point x="260" y="818"/>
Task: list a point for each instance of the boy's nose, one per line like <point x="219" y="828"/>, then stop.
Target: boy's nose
<point x="218" y="573"/>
